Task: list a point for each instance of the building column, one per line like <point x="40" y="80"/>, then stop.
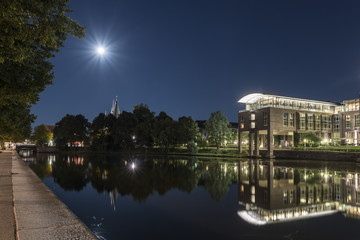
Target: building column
<point x="270" y="142"/>
<point x="240" y="142"/>
<point x="257" y="153"/>
<point x="251" y="173"/>
<point x="270" y="177"/>
<point x="262" y="140"/>
<point x="257" y="172"/>
<point x="250" y="143"/>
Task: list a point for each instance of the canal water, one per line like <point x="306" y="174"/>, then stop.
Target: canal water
<point x="155" y="197"/>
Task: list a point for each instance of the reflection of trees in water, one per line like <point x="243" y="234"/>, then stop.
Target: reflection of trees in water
<point x="69" y="174"/>
<point x="114" y="174"/>
<point x="217" y="181"/>
<point x="41" y="166"/>
<point x="148" y="177"/>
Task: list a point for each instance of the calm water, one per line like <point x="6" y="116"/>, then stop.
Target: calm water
<point x="128" y="197"/>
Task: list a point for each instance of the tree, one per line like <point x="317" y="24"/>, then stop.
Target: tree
<point x="31" y="31"/>
<point x="218" y="128"/>
<point x="71" y="129"/>
<point x="164" y="131"/>
<point x="311" y="138"/>
<point x="41" y="135"/>
<point x="100" y="132"/>
<point x="144" y="120"/>
<point x="188" y="133"/>
<point x="123" y="131"/>
<point x="15" y="122"/>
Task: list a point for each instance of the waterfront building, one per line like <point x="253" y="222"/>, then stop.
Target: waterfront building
<point x="271" y="193"/>
<point x="268" y="116"/>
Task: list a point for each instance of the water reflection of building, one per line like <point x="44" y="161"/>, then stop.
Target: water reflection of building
<point x="274" y="194"/>
<point x="113" y="194"/>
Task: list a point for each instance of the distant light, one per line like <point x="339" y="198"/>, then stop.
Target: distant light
<point x="133" y="166"/>
<point x="100" y="50"/>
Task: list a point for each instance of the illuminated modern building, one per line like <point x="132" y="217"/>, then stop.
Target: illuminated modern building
<point x="272" y="194"/>
<point x="266" y="116"/>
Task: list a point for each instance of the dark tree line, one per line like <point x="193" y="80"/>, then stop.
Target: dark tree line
<point x="107" y="174"/>
<point x="139" y="129"/>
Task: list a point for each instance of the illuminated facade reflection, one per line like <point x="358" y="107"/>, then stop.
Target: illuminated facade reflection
<point x="270" y="194"/>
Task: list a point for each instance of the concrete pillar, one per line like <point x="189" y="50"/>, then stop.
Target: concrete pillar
<point x="250" y="144"/>
<point x="251" y="173"/>
<point x="270" y="142"/>
<point x="257" y="172"/>
<point x="257" y="153"/>
<point x="240" y="142"/>
<point x="270" y="177"/>
<point x="262" y="144"/>
<point x="240" y="171"/>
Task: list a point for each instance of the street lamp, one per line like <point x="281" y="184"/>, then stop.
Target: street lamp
<point x="304" y="144"/>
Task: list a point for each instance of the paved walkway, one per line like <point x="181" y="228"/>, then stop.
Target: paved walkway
<point x="7" y="219"/>
<point x="39" y="214"/>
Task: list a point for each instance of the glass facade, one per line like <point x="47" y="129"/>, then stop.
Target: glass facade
<point x="351" y="105"/>
<point x="291" y="119"/>
<point x="347" y="121"/>
<point x="357" y="120"/>
<point x="310" y="122"/>
<point x="317" y="122"/>
<point x="302" y="121"/>
<point x="336" y="123"/>
<point x="326" y="123"/>
<point x="291" y="103"/>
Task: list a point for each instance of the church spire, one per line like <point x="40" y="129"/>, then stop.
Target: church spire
<point x="115" y="108"/>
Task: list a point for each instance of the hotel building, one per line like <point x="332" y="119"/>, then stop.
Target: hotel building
<point x="266" y="116"/>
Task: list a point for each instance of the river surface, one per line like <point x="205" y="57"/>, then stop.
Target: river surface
<point x="156" y="197"/>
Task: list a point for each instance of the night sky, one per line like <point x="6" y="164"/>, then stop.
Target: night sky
<point x="195" y="57"/>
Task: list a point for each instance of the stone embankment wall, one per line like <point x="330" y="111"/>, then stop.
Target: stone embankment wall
<point x="317" y="155"/>
<point x="40" y="149"/>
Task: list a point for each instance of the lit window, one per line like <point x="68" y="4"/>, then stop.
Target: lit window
<point x="285" y="118"/>
<point x="310" y="122"/>
<point x="241" y="122"/>
<point x="285" y="197"/>
<point x="347" y="121"/>
<point x="302" y="121"/>
<point x="357" y="120"/>
<point x="291" y="119"/>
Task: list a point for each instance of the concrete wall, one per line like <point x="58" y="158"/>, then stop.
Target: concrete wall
<point x="40" y="149"/>
<point x="317" y="155"/>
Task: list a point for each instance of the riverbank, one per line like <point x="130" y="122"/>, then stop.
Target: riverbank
<point x="36" y="212"/>
<point x="231" y="153"/>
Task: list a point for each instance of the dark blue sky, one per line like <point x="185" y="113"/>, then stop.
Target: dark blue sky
<point x="196" y="57"/>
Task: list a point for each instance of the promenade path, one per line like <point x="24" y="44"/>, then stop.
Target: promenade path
<point x="7" y="218"/>
<point x="29" y="210"/>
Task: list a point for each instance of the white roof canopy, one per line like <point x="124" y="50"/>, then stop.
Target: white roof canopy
<point x="253" y="97"/>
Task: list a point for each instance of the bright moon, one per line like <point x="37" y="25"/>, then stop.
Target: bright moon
<point x="100" y="50"/>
